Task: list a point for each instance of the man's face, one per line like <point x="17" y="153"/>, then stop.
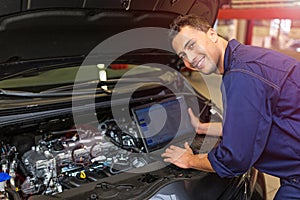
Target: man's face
<point x="198" y="49"/>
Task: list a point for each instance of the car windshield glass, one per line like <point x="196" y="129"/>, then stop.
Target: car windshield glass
<point x="63" y="78"/>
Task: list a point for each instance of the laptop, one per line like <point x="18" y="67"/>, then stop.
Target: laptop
<point x="163" y="123"/>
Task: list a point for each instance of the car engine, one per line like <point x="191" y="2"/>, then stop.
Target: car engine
<point x="69" y="158"/>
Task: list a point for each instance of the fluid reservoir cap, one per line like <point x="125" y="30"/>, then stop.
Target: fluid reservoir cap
<point x="82" y="175"/>
<point x="4" y="176"/>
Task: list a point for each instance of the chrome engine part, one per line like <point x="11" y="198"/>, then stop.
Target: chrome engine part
<point x="68" y="158"/>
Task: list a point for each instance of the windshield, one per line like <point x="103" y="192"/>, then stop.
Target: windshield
<point x="55" y="83"/>
<point x="40" y="80"/>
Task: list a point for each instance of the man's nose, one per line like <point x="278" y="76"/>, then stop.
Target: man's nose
<point x="190" y="58"/>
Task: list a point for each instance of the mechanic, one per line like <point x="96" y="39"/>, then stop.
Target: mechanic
<point x="261" y="100"/>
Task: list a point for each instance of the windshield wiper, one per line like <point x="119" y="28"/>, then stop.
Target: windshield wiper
<point x="39" y="69"/>
<point x="163" y="79"/>
<point x="84" y="85"/>
<point x="37" y="95"/>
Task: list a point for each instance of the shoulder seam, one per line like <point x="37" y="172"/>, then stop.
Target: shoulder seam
<point x="276" y="87"/>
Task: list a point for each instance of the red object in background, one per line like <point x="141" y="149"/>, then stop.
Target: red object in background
<point x="260" y="13"/>
<point x="119" y="66"/>
<point x="251" y="14"/>
<point x="249" y="33"/>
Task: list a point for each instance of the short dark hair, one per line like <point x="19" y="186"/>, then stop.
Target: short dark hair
<point x="192" y="20"/>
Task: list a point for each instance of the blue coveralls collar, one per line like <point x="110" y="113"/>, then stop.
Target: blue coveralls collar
<point x="231" y="47"/>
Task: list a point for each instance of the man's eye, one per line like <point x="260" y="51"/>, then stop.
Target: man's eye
<point x="182" y="57"/>
<point x="191" y="46"/>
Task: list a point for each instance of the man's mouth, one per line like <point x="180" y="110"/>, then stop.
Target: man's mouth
<point x="198" y="63"/>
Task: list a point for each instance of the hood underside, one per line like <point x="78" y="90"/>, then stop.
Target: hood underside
<point x="34" y="29"/>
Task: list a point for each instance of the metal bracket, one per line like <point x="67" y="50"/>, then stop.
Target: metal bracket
<point x="126" y="4"/>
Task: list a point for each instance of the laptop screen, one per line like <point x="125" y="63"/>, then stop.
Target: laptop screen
<point x="161" y="122"/>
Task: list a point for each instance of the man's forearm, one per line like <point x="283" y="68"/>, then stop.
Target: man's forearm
<point x="201" y="162"/>
<point x="211" y="128"/>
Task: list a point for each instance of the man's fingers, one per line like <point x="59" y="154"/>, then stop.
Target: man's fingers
<point x="168" y="150"/>
<point x="191" y="113"/>
<point x="176" y="155"/>
<point x="173" y="151"/>
<point x="194" y="119"/>
<point x="187" y="146"/>
<point x="167" y="153"/>
<point x="167" y="160"/>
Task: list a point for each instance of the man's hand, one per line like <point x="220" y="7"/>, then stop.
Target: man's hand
<point x="194" y="120"/>
<point x="184" y="158"/>
<point x="179" y="156"/>
<point x="200" y="128"/>
<point x="211" y="128"/>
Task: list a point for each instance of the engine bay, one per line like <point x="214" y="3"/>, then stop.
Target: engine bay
<point x="52" y="155"/>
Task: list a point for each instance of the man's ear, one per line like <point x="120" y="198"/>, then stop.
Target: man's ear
<point x="213" y="35"/>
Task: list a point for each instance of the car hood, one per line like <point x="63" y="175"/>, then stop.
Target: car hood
<point x="35" y="29"/>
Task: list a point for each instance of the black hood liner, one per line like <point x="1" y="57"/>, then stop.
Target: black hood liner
<point x="34" y="29"/>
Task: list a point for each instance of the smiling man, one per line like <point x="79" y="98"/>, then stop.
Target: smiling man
<point x="261" y="92"/>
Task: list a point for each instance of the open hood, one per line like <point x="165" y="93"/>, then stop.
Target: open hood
<point x="35" y="29"/>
